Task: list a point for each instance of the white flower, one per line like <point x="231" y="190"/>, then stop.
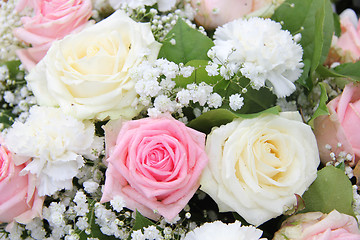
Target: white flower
<point x="183" y="97"/>
<point x="137" y="235"/>
<point x="212" y="69"/>
<point x="186" y="71"/>
<point x="151" y="232"/>
<point x="261" y="51"/>
<point x="88" y="74"/>
<point x="256" y="166"/>
<point x="214" y="100"/>
<point x="55" y="142"/>
<point x="90" y="186"/>
<point x="236" y="101"/>
<point x="218" y="230"/>
<point x="164" y="104"/>
<point x="118" y="203"/>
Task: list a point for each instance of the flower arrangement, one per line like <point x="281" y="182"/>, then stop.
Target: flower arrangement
<point x="179" y="119"/>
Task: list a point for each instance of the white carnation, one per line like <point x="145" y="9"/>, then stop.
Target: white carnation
<point x="218" y="230"/>
<point x="261" y="51"/>
<point x="55" y="142"/>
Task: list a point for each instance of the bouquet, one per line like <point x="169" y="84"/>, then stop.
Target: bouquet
<point x="179" y="119"/>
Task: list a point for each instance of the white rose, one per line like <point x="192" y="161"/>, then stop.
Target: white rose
<point x="87" y="73"/>
<point x="256" y="166"/>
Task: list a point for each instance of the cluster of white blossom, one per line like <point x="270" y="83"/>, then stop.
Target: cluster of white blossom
<point x="112" y="224"/>
<point x="161" y="22"/>
<point x="15" y="96"/>
<point x="9" y="19"/>
<point x="261" y="51"/>
<point x="150" y="232"/>
<point x="158" y="92"/>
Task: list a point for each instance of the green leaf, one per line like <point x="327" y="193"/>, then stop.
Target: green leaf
<point x="254" y="100"/>
<point x="6" y="118"/>
<point x="217" y="117"/>
<point x="13" y="67"/>
<point x="331" y="190"/>
<point x="337" y="26"/>
<point x="341" y="166"/>
<point x="305" y="79"/>
<point x="141" y="221"/>
<point x="95" y="229"/>
<point x="190" y="44"/>
<point x="322" y="108"/>
<point x="199" y="75"/>
<point x="315" y="21"/>
<point x="349" y="70"/>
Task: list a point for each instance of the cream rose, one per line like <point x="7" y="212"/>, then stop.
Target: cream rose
<point x="256" y="166"/>
<point x="87" y="73"/>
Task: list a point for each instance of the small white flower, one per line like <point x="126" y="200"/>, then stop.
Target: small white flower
<point x="153" y="112"/>
<point x="236" y="101"/>
<point x="82" y="223"/>
<point x="187" y="71"/>
<point x="167" y="84"/>
<point x="90" y="186"/>
<point x="212" y="69"/>
<point x="214" y="100"/>
<point x="183" y="97"/>
<point x="117" y="203"/>
<point x="152" y="232"/>
<point x="164" y="104"/>
<point x="137" y="235"/>
<point x="9" y="97"/>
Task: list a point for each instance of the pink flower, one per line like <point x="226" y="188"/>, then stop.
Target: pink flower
<point x="213" y="13"/>
<point x="52" y="20"/>
<point x="19" y="200"/>
<point x="154" y="164"/>
<point x="319" y="226"/>
<point x="349" y="41"/>
<point x="341" y="126"/>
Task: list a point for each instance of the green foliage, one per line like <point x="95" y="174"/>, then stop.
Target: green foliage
<point x="13" y="67"/>
<point x="331" y="190"/>
<point x="315" y="21"/>
<point x="16" y="78"/>
<point x="141" y="221"/>
<point x="350" y="71"/>
<point x="218" y="117"/>
<point x="190" y="44"/>
<point x="322" y="108"/>
<point x="337" y="27"/>
<point x="95" y="229"/>
<point x="254" y="100"/>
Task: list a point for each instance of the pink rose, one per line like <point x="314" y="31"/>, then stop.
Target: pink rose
<point x="319" y="226"/>
<point x="154" y="164"/>
<point x="213" y="13"/>
<point x="341" y="126"/>
<point x="349" y="41"/>
<point x="52" y="20"/>
<point x="19" y="200"/>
